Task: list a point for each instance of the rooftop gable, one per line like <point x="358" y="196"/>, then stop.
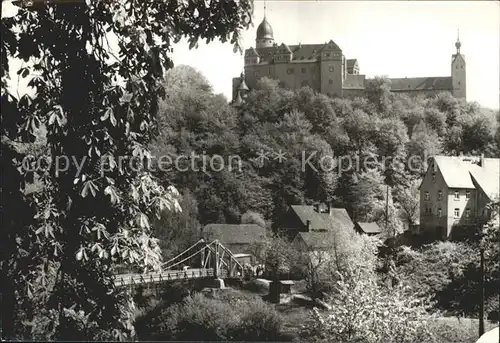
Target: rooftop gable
<point x="235" y="233"/>
<point x="317" y="240"/>
<point x="323" y="221"/>
<point x="371" y="227"/>
<point x="455" y="170"/>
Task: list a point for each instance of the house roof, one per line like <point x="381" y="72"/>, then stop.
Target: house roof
<point x="317" y="240"/>
<point x="460" y="171"/>
<point x="323" y="221"/>
<point x="369" y="227"/>
<point x="235" y="233"/>
<point x="455" y="171"/>
<point x="488" y="177"/>
<point x="421" y="83"/>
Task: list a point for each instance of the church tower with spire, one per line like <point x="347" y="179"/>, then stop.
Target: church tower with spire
<point x="458" y="72"/>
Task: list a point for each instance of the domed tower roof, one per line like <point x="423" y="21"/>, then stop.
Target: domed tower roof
<point x="265" y="31"/>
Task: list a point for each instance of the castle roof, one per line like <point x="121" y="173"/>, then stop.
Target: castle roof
<point x="421" y="83"/>
<point x="265" y="31"/>
<point x="301" y="52"/>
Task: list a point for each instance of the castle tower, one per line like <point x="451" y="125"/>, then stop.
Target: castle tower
<point x="458" y="72"/>
<point x="265" y="38"/>
<point x="241" y="91"/>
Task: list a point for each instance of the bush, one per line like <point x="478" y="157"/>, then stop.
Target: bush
<point x="362" y="311"/>
<point x="228" y="316"/>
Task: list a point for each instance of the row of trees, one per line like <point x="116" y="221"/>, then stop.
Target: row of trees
<point x="390" y="130"/>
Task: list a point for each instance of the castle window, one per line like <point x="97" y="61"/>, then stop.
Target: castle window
<point x="290" y="71"/>
<point x="440" y="195"/>
<point x="440" y="212"/>
<point x="427" y="196"/>
<point x="459" y="83"/>
<point x="313" y="69"/>
<point x="457" y="213"/>
<point x="304" y="83"/>
<point x="330" y="69"/>
<point x="256" y="74"/>
<point x="303" y="70"/>
<point x="433" y="177"/>
<point x="467" y="212"/>
<point x="330" y="81"/>
<point x="467" y="195"/>
<point x="457" y="195"/>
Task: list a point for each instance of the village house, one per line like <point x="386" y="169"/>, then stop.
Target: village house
<point x="370" y="229"/>
<point x="454" y="195"/>
<point x="238" y="238"/>
<point x="314" y="218"/>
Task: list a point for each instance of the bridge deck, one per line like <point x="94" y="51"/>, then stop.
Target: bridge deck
<point x="164" y="276"/>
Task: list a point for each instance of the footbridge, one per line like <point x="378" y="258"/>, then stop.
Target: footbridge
<point x="205" y="260"/>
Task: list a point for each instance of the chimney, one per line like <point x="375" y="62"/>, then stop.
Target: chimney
<point x="329" y="208"/>
<point x="308" y="225"/>
<point x="316" y="207"/>
<point x="481" y="161"/>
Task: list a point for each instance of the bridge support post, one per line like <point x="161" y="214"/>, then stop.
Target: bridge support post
<point x="216" y="262"/>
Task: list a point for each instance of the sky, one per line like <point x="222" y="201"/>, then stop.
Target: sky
<point x="393" y="38"/>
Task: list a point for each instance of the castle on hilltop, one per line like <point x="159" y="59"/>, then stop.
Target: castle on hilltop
<point x="324" y="68"/>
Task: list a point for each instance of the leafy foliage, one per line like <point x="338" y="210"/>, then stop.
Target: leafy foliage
<point x="349" y="252"/>
<point x="225" y="317"/>
<point x="363" y="311"/>
<point x="98" y="104"/>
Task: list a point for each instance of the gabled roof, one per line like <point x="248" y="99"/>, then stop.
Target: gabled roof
<point x="488" y="177"/>
<point x="300" y="52"/>
<point x="421" y="83"/>
<point x="283" y="48"/>
<point x="235" y="233"/>
<point x="317" y="240"/>
<point x="350" y="63"/>
<point x="455" y="171"/>
<point x="323" y="221"/>
<point x="370" y="227"/>
<point x="251" y="52"/>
